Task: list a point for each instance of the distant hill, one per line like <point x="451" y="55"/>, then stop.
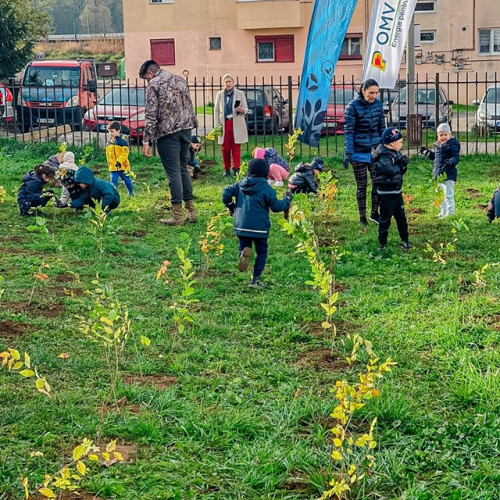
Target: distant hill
<point x="83" y="16"/>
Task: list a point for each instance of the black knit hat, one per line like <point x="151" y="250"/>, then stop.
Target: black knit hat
<point x="68" y="178"/>
<point x="317" y="163"/>
<point x="195" y="139"/>
<point x="391" y="135"/>
<point x="258" y="168"/>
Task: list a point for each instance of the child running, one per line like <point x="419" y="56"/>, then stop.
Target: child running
<point x="249" y="201"/>
<point x="390" y="166"/>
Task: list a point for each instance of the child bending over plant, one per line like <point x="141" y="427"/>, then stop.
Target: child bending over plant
<point x="305" y="178"/>
<point x="249" y="201"/>
<point x="31" y="193"/>
<point x="94" y="189"/>
<point x="278" y="167"/>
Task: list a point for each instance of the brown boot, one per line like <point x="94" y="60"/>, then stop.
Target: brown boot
<point x="191" y="212"/>
<point x="177" y="218"/>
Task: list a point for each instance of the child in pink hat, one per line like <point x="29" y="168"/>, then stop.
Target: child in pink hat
<point x="277" y="174"/>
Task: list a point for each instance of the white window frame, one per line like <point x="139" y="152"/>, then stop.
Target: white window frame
<point x="433" y="32"/>
<point x="433" y="11"/>
<point x="273" y="59"/>
<point x="156" y="2"/>
<point x="490" y="52"/>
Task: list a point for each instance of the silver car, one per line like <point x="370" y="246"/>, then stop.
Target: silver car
<point x="425" y="105"/>
<point x="488" y="112"/>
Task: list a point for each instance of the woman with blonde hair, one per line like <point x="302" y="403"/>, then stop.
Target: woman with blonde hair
<point x="230" y="110"/>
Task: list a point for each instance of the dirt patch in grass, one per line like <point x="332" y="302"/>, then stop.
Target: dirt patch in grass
<point x="295" y="482"/>
<point x="125" y="242"/>
<point x="415" y="210"/>
<point x="473" y="193"/>
<point x="139" y="234"/>
<point x="121" y="404"/>
<point x="50" y="311"/>
<point x="208" y="163"/>
<point x="157" y="380"/>
<point x="12" y="330"/>
<point x="68" y="495"/>
<point x="322" y="359"/>
<point x="22" y="251"/>
<point x="482" y="206"/>
<point x="14" y="238"/>
<point x="64" y="278"/>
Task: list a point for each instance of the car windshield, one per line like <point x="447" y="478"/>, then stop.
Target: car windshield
<point x="50" y="77"/>
<point x="341" y="96"/>
<point x="492" y="96"/>
<point x="254" y="96"/>
<point x="422" y="96"/>
<point x="124" y="97"/>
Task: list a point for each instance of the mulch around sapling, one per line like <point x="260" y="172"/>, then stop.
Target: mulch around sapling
<point x="322" y="359"/>
<point x="65" y="278"/>
<point x="157" y="380"/>
<point x="12" y="330"/>
<point x="47" y="311"/>
<point x="473" y="193"/>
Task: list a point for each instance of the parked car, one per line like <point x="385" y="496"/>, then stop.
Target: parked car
<point x="125" y="105"/>
<point x="56" y="93"/>
<point x="7" y="102"/>
<point x="267" y="109"/>
<point x="425" y="105"/>
<point x="488" y="112"/>
<point x="387" y="95"/>
<point x="340" y="96"/>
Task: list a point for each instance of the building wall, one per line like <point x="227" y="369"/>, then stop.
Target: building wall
<point x="192" y="22"/>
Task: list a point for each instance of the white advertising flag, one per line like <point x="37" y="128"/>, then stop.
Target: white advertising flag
<point x="389" y="26"/>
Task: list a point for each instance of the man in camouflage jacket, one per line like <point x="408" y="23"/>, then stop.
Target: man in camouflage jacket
<point x="169" y="119"/>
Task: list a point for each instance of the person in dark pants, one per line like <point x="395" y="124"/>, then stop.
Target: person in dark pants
<point x="169" y="119"/>
<point x="249" y="201"/>
<point x="31" y="193"/>
<point x="390" y="166"/>
<point x="494" y="206"/>
<point x="364" y="123"/>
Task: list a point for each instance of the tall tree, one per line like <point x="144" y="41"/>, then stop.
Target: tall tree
<point x="96" y="17"/>
<point x="21" y="25"/>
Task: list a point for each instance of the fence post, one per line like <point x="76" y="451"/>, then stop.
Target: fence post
<point x="436" y="111"/>
<point x="290" y="106"/>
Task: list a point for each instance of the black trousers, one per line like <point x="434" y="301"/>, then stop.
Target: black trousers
<point x="361" y="171"/>
<point x="392" y="205"/>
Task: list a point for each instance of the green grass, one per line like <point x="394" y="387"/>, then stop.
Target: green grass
<point x="234" y="425"/>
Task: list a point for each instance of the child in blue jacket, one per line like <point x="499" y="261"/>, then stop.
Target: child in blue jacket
<point x="94" y="189"/>
<point x="250" y="201"/>
<point x="31" y="193"/>
<point x="494" y="206"/>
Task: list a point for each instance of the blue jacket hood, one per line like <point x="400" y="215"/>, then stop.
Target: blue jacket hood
<point x="85" y="175"/>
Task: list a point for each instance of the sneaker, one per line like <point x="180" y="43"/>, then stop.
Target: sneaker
<point x="227" y="173"/>
<point x="405" y="245"/>
<point x="374" y="218"/>
<point x="257" y="284"/>
<point x="442" y="215"/>
<point x="236" y="171"/>
<point x="490" y="217"/>
<point x="382" y="247"/>
<point x="244" y="259"/>
<point x="363" y="222"/>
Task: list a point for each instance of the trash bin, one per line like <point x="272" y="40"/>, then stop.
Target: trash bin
<point x="106" y="70"/>
<point x="414" y="130"/>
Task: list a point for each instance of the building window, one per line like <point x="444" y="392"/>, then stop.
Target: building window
<point x="425" y="6"/>
<point x="215" y="43"/>
<point x="489" y="41"/>
<point x="351" y="47"/>
<point x="163" y="51"/>
<point x="161" y="1"/>
<point x="428" y="36"/>
<point x="278" y="48"/>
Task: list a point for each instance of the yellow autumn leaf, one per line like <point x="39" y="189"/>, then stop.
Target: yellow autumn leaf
<point x="64" y="355"/>
<point x="111" y="446"/>
<point x="93" y="458"/>
<point x="47" y="492"/>
<point x="80" y="467"/>
<point x="78" y="453"/>
<point x="337" y="442"/>
<point x="27" y="373"/>
<point x="27" y="360"/>
<point x="15" y="354"/>
<point x="336" y="455"/>
<point x="36" y="454"/>
<point x="39" y="384"/>
<point x="118" y="456"/>
<point x="18" y="365"/>
<point x="105" y="455"/>
<point x="145" y="341"/>
<point x="106" y="321"/>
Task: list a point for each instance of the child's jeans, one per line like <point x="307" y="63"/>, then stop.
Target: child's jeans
<point x="392" y="205"/>
<point x="120" y="174"/>
<point x="448" y="205"/>
<point x="277" y="173"/>
<point x="260" y="248"/>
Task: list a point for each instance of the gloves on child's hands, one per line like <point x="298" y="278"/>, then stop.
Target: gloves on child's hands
<point x="60" y="204"/>
<point x="231" y="207"/>
<point x="347" y="160"/>
<point x="48" y="194"/>
<point x="424" y="151"/>
<point x="289" y="195"/>
<point x="118" y="165"/>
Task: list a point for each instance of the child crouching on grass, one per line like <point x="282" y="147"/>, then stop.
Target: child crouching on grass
<point x="94" y="189"/>
<point x="249" y="201"/>
<point x="390" y="166"/>
<point x="305" y="178"/>
<point x="31" y="193"/>
<point x="494" y="206"/>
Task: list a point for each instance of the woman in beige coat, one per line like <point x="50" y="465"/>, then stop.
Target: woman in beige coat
<point x="230" y="110"/>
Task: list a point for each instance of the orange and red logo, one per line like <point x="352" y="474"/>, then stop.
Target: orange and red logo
<point x="378" y="61"/>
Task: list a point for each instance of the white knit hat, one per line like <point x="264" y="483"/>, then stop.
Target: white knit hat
<point x="69" y="157"/>
<point x="444" y="127"/>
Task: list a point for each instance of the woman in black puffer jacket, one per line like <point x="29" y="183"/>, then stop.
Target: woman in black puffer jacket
<point x="364" y="124"/>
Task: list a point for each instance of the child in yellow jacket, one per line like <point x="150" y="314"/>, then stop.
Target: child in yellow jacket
<point x="117" y="152"/>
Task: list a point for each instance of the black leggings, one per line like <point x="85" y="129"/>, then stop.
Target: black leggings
<point x="361" y="176"/>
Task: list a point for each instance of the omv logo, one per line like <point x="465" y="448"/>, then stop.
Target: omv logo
<point x="378" y="61"/>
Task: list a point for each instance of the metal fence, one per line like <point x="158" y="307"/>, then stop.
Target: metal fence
<point x="470" y="103"/>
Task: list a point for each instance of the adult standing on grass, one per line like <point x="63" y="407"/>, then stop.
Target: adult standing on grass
<point x="364" y="125"/>
<point x="230" y="110"/>
<point x="169" y="119"/>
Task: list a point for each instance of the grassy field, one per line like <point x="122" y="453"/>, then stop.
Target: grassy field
<point x="238" y="406"/>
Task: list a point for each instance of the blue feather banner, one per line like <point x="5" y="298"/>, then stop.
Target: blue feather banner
<point x="329" y="22"/>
